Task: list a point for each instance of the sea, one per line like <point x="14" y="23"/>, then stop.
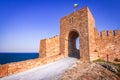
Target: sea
<point x="16" y="57"/>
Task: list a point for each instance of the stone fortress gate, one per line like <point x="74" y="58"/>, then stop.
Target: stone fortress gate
<point x="79" y="24"/>
<point x="93" y="44"/>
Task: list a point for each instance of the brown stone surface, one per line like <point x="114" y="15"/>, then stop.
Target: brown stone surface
<point x="42" y="50"/>
<point x="49" y="47"/>
<point x="72" y="25"/>
<point x="108" y="45"/>
<point x="3" y="70"/>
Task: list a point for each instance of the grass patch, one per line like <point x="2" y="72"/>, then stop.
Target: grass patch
<point x="98" y="60"/>
<point x="118" y="65"/>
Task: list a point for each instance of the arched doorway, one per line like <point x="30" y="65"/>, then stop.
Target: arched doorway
<point x="73" y="44"/>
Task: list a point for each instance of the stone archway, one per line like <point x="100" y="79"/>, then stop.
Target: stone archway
<point x="72" y="50"/>
<point x="83" y="22"/>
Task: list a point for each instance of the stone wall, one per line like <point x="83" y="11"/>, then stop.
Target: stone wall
<point x="49" y="47"/>
<point x="15" y="67"/>
<point x="91" y="27"/>
<point x="107" y="45"/>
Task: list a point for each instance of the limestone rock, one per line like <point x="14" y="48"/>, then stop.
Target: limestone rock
<point x="89" y="72"/>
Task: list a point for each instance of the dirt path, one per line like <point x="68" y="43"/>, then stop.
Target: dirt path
<point x="50" y="71"/>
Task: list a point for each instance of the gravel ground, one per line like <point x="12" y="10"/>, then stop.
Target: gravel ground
<point x="51" y="71"/>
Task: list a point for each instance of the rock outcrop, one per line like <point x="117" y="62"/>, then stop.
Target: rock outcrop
<point x="89" y="71"/>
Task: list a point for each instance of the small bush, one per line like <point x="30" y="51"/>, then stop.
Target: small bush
<point x="117" y="60"/>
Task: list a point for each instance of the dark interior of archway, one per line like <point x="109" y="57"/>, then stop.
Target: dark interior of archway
<point x="72" y="50"/>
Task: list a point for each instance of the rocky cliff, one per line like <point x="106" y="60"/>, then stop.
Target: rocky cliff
<point x="91" y="71"/>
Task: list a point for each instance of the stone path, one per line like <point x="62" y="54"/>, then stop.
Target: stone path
<point x="51" y="71"/>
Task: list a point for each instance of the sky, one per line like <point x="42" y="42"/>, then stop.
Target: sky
<point x="23" y="23"/>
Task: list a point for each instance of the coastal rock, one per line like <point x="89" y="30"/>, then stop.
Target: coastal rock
<point x="89" y="71"/>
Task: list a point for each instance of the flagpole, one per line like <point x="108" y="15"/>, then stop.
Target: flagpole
<point x="75" y="7"/>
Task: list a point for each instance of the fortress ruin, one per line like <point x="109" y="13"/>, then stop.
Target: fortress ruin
<point x="93" y="44"/>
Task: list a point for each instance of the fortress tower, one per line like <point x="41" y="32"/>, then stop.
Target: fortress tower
<point x="78" y="24"/>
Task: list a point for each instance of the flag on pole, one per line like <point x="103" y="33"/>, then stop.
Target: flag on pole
<point x="76" y="5"/>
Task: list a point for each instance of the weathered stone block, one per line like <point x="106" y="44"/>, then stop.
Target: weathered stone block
<point x="3" y="70"/>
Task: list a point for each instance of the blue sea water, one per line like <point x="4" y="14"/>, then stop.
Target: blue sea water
<point x="15" y="57"/>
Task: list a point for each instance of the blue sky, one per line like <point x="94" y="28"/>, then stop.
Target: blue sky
<point x="24" y="22"/>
